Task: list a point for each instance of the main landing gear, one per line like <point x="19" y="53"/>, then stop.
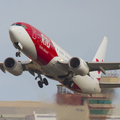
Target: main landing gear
<point x="41" y="81"/>
<point x="68" y="80"/>
<point x="44" y="81"/>
<point x="68" y="83"/>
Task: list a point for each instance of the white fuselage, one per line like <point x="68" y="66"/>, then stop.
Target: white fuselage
<point x="87" y="83"/>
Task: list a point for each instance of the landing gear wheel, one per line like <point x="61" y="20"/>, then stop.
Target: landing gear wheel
<point x="45" y="81"/>
<point x="41" y="81"/>
<point x="40" y="84"/>
<point x="70" y="84"/>
<point x="66" y="81"/>
<point x="18" y="54"/>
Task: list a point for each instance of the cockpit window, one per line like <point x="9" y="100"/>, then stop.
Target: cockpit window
<point x="24" y="26"/>
<point x="19" y="24"/>
<point x="13" y="24"/>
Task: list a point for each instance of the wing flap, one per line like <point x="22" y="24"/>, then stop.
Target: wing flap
<point x="109" y="85"/>
<point x="64" y="64"/>
<point x="31" y="67"/>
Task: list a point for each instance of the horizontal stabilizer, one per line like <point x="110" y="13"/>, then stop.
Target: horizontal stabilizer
<point x="94" y="66"/>
<point x="109" y="85"/>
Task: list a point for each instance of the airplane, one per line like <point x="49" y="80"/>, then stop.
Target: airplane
<point x="48" y="59"/>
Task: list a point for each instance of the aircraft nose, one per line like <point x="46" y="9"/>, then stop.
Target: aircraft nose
<point x="13" y="31"/>
<point x="21" y="40"/>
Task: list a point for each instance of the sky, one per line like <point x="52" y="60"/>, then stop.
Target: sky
<point x="78" y="26"/>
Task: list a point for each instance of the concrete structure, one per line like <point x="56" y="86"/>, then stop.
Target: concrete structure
<point x="70" y="112"/>
<point x="100" y="105"/>
<point x="41" y="117"/>
<point x="19" y="109"/>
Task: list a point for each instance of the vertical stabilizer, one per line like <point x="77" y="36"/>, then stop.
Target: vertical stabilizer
<point x="100" y="56"/>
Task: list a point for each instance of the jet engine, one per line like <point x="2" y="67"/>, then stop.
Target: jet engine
<point x="78" y="66"/>
<point x="13" y="66"/>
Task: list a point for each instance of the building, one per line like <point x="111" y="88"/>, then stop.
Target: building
<point x="19" y="109"/>
<point x="100" y="105"/>
<point x="68" y="106"/>
<point x="41" y="117"/>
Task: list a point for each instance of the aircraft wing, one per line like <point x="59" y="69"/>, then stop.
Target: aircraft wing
<point x="27" y="66"/>
<point x="95" y="66"/>
<point x="109" y="85"/>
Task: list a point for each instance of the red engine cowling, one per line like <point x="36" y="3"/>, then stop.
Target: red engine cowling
<point x="78" y="66"/>
<point x="13" y="66"/>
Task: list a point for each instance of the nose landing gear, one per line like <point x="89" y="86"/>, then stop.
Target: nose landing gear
<point x="18" y="54"/>
<point x="18" y="46"/>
